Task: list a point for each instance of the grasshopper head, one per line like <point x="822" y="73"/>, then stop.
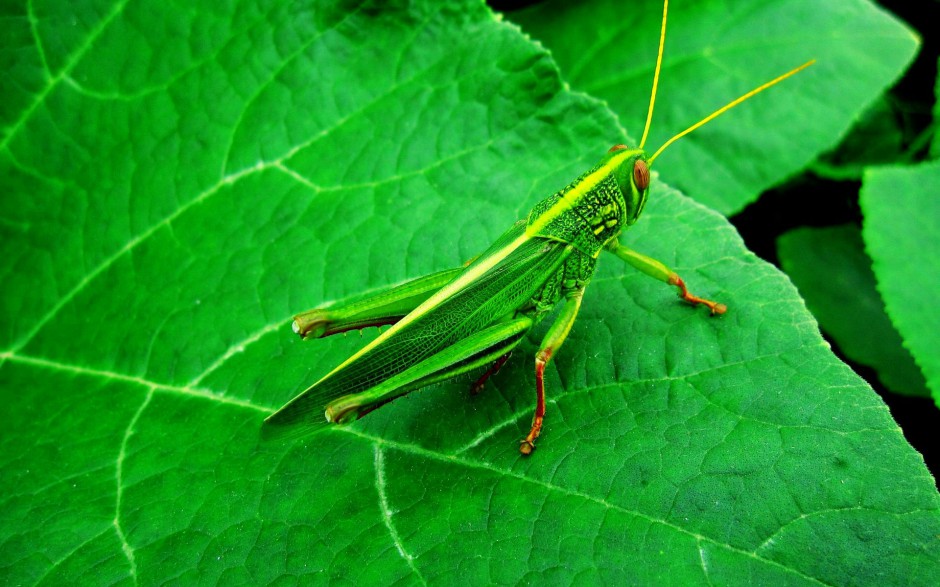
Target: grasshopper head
<point x="633" y="177"/>
<point x="595" y="208"/>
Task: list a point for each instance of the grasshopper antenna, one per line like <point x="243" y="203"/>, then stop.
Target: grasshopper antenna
<point x="726" y="107"/>
<point x="659" y="64"/>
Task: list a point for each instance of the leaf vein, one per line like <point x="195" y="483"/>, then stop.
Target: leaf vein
<point x="33" y="24"/>
<point x="111" y="375"/>
<point x="73" y="60"/>
<point x="237" y="348"/>
<point x="387" y="513"/>
<point x="54" y="565"/>
<point x="270" y="79"/>
<point x="129" y="246"/>
<point x="126" y="547"/>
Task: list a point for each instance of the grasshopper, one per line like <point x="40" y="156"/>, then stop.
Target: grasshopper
<point x="470" y="317"/>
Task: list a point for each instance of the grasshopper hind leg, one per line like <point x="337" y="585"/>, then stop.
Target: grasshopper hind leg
<point x="477" y="350"/>
<point x="477" y="387"/>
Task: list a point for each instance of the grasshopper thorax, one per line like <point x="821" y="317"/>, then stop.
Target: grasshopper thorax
<point x="595" y="208"/>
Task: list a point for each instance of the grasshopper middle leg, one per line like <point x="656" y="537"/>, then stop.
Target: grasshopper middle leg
<point x="553" y="340"/>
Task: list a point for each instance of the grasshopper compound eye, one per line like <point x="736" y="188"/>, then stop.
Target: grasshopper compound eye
<point x="641" y="174"/>
<point x="617" y="148"/>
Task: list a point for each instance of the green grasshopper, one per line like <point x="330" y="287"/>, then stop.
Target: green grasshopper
<point x="470" y="317"/>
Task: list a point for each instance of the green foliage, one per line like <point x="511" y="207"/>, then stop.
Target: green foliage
<point x="896" y="206"/>
<point x="833" y="273"/>
<point x="935" y="143"/>
<point x="716" y="51"/>
<point x="901" y="211"/>
<point x="178" y="183"/>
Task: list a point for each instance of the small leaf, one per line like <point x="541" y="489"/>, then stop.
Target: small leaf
<point x="900" y="231"/>
<point x="833" y="273"/>
<point x="715" y="52"/>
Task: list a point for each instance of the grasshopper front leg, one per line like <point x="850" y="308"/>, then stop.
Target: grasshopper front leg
<point x="658" y="270"/>
<point x="378" y="308"/>
<point x="550" y="344"/>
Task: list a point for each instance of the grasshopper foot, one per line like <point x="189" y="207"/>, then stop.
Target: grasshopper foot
<point x="684" y="293"/>
<point x="526" y="446"/>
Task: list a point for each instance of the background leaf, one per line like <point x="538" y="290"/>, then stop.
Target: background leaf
<point x="900" y="232"/>
<point x="171" y="203"/>
<point x="875" y="139"/>
<point x="608" y="49"/>
<point x="935" y="143"/>
<point x="834" y="275"/>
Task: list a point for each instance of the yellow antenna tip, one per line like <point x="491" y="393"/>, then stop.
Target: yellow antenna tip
<point x="730" y="105"/>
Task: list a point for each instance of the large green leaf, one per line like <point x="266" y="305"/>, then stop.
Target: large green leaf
<point x="834" y="275"/>
<point x="180" y="181"/>
<point x="900" y="230"/>
<point x="716" y="51"/>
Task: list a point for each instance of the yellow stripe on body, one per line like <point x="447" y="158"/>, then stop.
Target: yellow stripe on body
<point x="571" y="198"/>
<point x="471" y="274"/>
